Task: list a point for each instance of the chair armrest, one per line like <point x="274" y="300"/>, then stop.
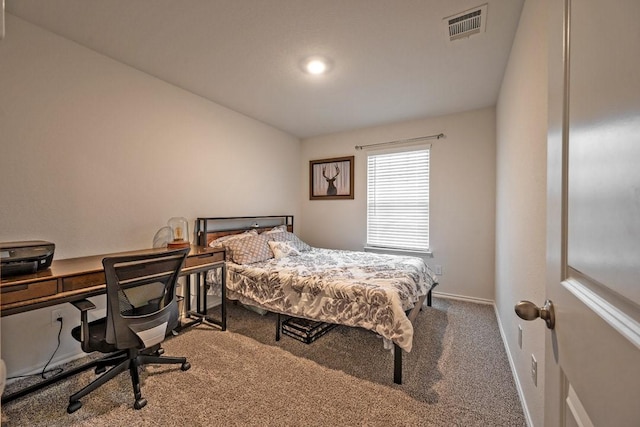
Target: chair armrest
<point x="84" y="306"/>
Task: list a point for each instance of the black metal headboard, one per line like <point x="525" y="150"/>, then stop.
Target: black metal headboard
<point x="211" y="228"/>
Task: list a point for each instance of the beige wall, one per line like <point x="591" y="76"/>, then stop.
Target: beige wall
<point x="96" y="157"/>
<point x="521" y="199"/>
<point x="462" y="196"/>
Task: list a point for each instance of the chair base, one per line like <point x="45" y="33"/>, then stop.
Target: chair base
<point x="130" y="360"/>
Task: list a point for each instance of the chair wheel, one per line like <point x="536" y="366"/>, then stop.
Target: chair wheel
<point x="74" y="406"/>
<point x="185" y="366"/>
<point x="160" y="351"/>
<point x="140" y="403"/>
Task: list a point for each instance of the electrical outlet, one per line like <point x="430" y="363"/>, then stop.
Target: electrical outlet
<point x="534" y="370"/>
<point x="438" y="270"/>
<point x="520" y="336"/>
<point x="55" y="315"/>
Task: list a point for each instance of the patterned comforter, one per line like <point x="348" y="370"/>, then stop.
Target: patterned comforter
<point x="362" y="289"/>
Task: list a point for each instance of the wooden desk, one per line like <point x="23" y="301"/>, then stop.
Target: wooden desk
<point x="74" y="279"/>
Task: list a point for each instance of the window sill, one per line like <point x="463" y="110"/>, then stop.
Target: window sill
<point x="393" y="251"/>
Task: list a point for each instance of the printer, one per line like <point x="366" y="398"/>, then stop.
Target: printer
<point x="26" y="257"/>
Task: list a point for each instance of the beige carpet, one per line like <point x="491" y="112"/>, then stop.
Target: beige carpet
<point x="457" y="374"/>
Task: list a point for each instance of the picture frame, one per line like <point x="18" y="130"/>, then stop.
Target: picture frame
<point x="331" y="179"/>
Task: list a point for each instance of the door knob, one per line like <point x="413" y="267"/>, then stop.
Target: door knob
<point x="529" y="311"/>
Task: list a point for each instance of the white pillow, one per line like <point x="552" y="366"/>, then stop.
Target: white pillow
<point x="285" y="236"/>
<point x="283" y="249"/>
<point x="277" y="229"/>
<point x="220" y="240"/>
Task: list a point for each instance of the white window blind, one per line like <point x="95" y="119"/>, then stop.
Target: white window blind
<point x="398" y="200"/>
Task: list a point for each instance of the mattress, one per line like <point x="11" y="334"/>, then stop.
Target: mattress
<point x="362" y="289"/>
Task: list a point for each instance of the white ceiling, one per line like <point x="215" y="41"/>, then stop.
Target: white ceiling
<point x="392" y="60"/>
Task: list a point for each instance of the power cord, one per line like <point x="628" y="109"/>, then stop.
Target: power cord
<point x="54" y="371"/>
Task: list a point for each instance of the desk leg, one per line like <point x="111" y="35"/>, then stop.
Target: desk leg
<point x="200" y="313"/>
<point x="223" y="304"/>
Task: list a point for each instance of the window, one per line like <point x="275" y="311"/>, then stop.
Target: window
<point x="398" y="200"/>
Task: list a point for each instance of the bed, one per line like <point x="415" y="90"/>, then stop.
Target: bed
<point x="269" y="267"/>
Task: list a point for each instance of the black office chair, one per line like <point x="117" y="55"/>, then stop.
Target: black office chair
<point x="141" y="310"/>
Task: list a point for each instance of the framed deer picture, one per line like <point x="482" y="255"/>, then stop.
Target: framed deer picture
<point x="331" y="178"/>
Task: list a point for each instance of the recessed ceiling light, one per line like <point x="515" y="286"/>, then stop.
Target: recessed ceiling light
<point x="316" y="65"/>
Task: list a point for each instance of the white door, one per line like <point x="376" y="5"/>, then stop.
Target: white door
<point x="593" y="262"/>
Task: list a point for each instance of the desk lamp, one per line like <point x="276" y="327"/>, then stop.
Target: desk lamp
<point x="180" y="230"/>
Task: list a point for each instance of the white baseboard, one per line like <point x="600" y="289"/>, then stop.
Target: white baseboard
<point x="54" y="364"/>
<point x="527" y="414"/>
<point x="213" y="301"/>
<point x="463" y="298"/>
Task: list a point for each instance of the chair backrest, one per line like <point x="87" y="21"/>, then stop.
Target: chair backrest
<point x="141" y="302"/>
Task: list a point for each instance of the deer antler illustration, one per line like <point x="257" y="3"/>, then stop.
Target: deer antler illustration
<point x="331" y="189"/>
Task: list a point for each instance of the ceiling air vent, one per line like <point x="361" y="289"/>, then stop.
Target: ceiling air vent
<point x="467" y="23"/>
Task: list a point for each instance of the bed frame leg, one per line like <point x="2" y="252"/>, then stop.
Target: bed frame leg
<point x="278" y="327"/>
<point x="397" y="364"/>
<point x="429" y="298"/>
